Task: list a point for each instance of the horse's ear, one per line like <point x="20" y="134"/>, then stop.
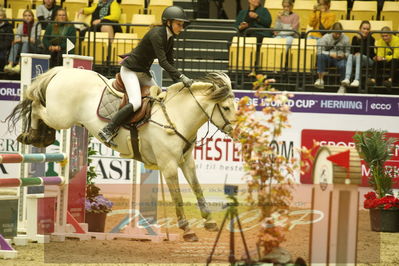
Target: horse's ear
<point x="199" y="85"/>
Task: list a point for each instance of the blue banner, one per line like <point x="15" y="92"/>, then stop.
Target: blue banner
<point x="39" y="66"/>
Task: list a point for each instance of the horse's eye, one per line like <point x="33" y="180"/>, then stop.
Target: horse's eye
<point x="226" y="108"/>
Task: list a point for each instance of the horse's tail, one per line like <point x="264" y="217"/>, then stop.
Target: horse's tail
<point x="35" y="92"/>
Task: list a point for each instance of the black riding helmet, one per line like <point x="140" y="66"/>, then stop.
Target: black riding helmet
<point x="174" y="13"/>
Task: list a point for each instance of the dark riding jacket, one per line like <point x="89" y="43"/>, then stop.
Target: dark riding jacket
<point x="153" y="45"/>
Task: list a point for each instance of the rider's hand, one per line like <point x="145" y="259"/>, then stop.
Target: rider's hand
<point x="186" y="81"/>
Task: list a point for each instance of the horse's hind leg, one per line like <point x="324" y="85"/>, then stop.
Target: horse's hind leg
<point x="38" y="134"/>
<point x="188" y="169"/>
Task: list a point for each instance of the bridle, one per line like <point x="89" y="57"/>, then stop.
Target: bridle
<point x="225" y="120"/>
<point x="209" y="117"/>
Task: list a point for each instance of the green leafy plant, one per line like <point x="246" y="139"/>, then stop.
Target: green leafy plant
<point x="375" y="149"/>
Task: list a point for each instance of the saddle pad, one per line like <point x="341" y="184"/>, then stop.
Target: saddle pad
<point x="108" y="106"/>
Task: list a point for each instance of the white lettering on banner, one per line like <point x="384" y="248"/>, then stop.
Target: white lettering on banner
<point x="9" y="92"/>
<point x="380" y="106"/>
<point x="337" y="104"/>
<point x="392" y="171"/>
<point x="305" y="103"/>
<point x="333" y="143"/>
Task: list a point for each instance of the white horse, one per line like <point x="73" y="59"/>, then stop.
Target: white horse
<point x="61" y="98"/>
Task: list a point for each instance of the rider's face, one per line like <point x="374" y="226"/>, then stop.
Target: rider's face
<point x="177" y="26"/>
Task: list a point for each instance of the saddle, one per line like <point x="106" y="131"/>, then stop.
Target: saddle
<point x="145" y="108"/>
<point x="115" y="97"/>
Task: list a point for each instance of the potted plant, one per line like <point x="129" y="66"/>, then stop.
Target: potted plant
<point x="96" y="205"/>
<point x="375" y="148"/>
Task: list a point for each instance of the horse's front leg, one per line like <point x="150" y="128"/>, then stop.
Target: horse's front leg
<point x="172" y="181"/>
<point x="188" y="168"/>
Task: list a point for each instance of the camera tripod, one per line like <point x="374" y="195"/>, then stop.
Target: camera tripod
<point x="231" y="213"/>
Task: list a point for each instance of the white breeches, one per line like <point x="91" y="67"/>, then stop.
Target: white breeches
<point x="132" y="85"/>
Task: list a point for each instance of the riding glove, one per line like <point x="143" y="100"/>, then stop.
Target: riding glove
<point x="186" y="81"/>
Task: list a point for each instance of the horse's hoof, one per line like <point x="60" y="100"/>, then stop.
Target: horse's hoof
<point x="190" y="237"/>
<point x="24" y="138"/>
<point x="211" y="226"/>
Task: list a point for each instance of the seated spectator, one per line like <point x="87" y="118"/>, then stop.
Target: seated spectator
<point x="46" y="12"/>
<point x="54" y="39"/>
<point x="332" y="50"/>
<point x="255" y="16"/>
<point x="6" y="37"/>
<point x="24" y="41"/>
<point x="387" y="58"/>
<point x="362" y="51"/>
<point x="321" y="18"/>
<point x="287" y="20"/>
<point x="106" y="11"/>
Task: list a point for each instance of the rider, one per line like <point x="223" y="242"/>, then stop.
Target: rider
<point x="135" y="69"/>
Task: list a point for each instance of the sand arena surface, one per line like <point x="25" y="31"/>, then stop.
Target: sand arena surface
<point x="374" y="248"/>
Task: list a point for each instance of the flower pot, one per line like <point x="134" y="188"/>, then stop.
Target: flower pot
<point x="384" y="220"/>
<point x="96" y="221"/>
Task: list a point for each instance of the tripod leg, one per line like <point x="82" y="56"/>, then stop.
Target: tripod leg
<point x="232" y="258"/>
<point x="242" y="236"/>
<point x="209" y="260"/>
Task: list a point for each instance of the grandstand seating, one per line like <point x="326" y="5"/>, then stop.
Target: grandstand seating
<point x="391" y="12"/>
<point x="73" y="6"/>
<point x="123" y="43"/>
<point x="156" y="7"/>
<point x="272" y="54"/>
<point x="242" y="53"/>
<point x="145" y="21"/>
<point x="15" y="5"/>
<point x="96" y="44"/>
<point x="364" y="10"/>
<point x="131" y="7"/>
<point x="376" y="25"/>
<point x="340" y="8"/>
<point x="82" y="18"/>
<point x="274" y="7"/>
<point x="8" y="12"/>
<point x="298" y="53"/>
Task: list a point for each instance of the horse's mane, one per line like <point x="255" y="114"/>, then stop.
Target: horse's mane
<point x="219" y="90"/>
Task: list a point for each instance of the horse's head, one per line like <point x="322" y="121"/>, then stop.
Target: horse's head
<point x="222" y="110"/>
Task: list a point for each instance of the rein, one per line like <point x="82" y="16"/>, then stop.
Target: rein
<point x="172" y="127"/>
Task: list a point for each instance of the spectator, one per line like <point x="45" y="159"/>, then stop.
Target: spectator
<point x="332" y="50"/>
<point x="6" y="37"/>
<point x="362" y="51"/>
<point x="387" y="57"/>
<point x="255" y="16"/>
<point x="46" y="12"/>
<point x="287" y="20"/>
<point x="54" y="39"/>
<point x="321" y="18"/>
<point x="24" y="40"/>
<point x="106" y="11"/>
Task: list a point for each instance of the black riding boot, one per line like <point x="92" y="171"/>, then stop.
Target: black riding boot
<point x="109" y="131"/>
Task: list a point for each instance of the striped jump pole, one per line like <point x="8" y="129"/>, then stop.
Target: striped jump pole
<point x="31" y="181"/>
<point x="32" y="157"/>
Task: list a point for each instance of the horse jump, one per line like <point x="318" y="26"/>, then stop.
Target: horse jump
<point x="57" y="189"/>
